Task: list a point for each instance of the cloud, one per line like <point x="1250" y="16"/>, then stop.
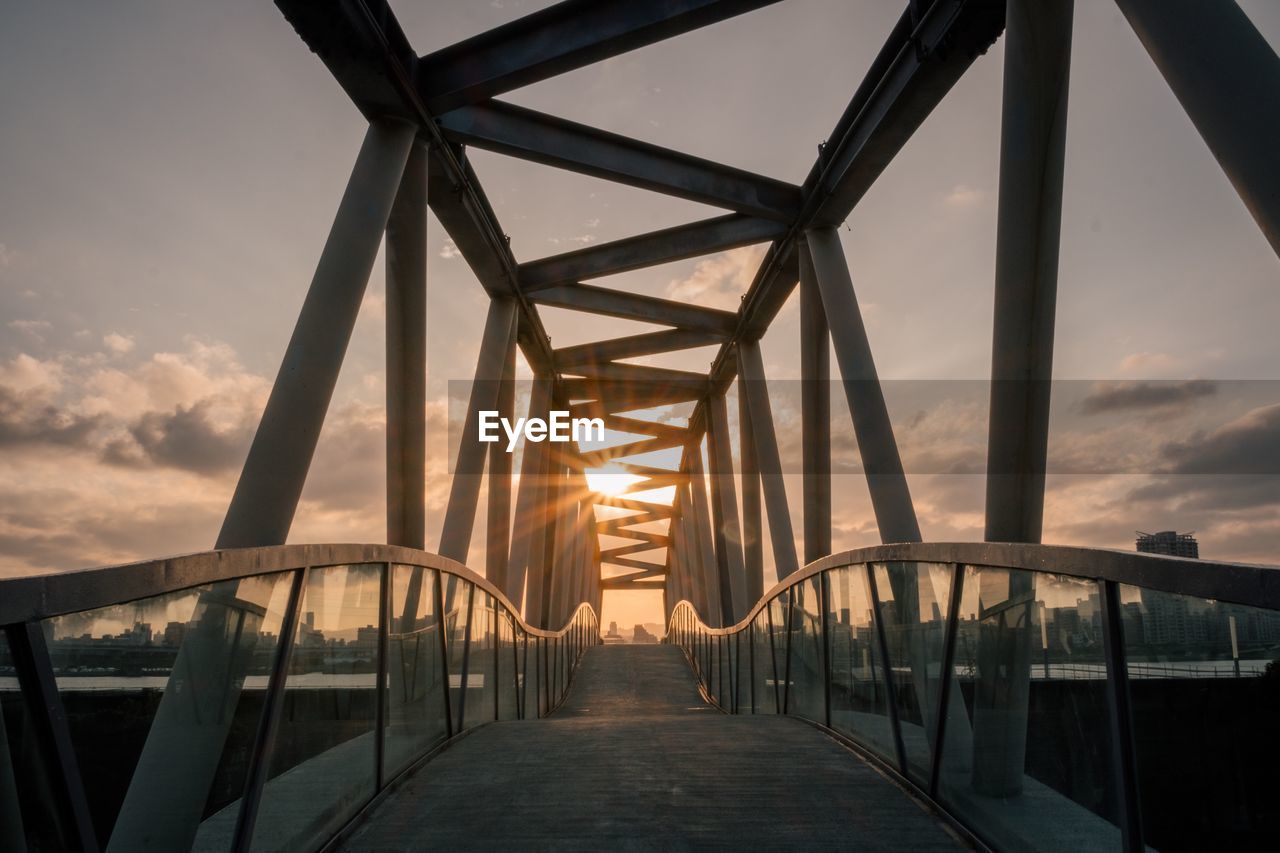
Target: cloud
<point x="185" y="438"/>
<point x="118" y="344"/>
<point x="28" y="420"/>
<point x="1129" y="396"/>
<point x="1248" y="445"/>
<point x="963" y="196"/>
<point x="450" y="250"/>
<point x="6" y="256"/>
<point x="32" y="328"/>
<point x="720" y="280"/>
<point x="1153" y="361"/>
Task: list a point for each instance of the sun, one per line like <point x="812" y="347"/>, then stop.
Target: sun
<point x="611" y="480"/>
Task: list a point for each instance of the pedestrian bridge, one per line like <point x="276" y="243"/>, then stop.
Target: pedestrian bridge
<point x="904" y="697"/>
<point x="909" y="696"/>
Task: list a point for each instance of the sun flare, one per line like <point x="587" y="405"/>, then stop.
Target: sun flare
<point x="611" y="480"/>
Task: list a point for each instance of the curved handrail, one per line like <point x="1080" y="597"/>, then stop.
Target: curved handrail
<point x="30" y="598"/>
<point x="1007" y="703"/>
<point x="1250" y="584"/>
<point x="392" y="698"/>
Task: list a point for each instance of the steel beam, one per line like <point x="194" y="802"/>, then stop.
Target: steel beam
<point x="1227" y="78"/>
<point x="1032" y="150"/>
<point x="271" y="482"/>
<point x="527" y="528"/>
<point x="464" y="492"/>
<point x="634" y="306"/>
<point x="657" y="247"/>
<point x="498" y="528"/>
<point x="553" y="141"/>
<point x="890" y="496"/>
<point x="406" y="346"/>
<point x="633" y="346"/>
<point x="638" y="373"/>
<point x="781" y="536"/>
<point x="815" y="413"/>
<point x="557" y="39"/>
<point x="752" y="527"/>
<point x="709" y="572"/>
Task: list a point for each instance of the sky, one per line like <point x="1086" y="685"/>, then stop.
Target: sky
<point x="170" y="171"/>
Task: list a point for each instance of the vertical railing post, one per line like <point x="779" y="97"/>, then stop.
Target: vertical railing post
<point x="886" y="665"/>
<point x="442" y="625"/>
<point x="948" y="675"/>
<point x="269" y="721"/>
<point x="380" y="698"/>
<point x="1120" y="710"/>
<point x="824" y="596"/>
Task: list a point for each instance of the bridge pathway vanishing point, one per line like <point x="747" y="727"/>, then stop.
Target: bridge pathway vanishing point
<point x="636" y="760"/>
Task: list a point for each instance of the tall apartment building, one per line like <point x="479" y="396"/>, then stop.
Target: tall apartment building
<point x="1170" y="543"/>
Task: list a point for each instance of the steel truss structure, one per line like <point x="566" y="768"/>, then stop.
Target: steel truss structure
<point x="424" y="112"/>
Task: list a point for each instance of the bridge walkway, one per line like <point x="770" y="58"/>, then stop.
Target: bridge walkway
<point x="636" y="760"/>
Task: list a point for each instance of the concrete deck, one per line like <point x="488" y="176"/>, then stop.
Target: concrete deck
<point x="635" y="760"/>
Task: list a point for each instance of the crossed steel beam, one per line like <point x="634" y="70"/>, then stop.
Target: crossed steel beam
<point x="425" y="111"/>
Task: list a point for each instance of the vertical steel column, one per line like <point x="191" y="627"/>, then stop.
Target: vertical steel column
<point x="544" y="577"/>
<point x="528" y="521"/>
<point x="1032" y="147"/>
<point x="270" y="484"/>
<point x="706" y="570"/>
<point x="890" y="496"/>
<point x="406" y="261"/>
<point x="464" y="492"/>
<point x="752" y="532"/>
<point x="1227" y="78"/>
<point x="497" y="550"/>
<point x="815" y="413"/>
<point x="724" y="509"/>
<point x="781" y="535"/>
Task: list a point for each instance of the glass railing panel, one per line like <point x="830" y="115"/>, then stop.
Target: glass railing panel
<point x="1027" y="757"/>
<point x="321" y="762"/>
<point x="713" y="667"/>
<point x="457" y="595"/>
<point x="482" y="696"/>
<point x="913" y="607"/>
<point x="1204" y="686"/>
<point x="807" y="692"/>
<point x="162" y="698"/>
<point x="766" y="688"/>
<point x="506" y="678"/>
<point x="414" y="707"/>
<point x="859" y="690"/>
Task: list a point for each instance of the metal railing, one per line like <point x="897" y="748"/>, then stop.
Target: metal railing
<point x="1043" y="698"/>
<point x="251" y="699"/>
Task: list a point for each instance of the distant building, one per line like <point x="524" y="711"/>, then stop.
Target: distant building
<point x="1169" y="543"/>
<point x="640" y="635"/>
<point x="613" y="637"/>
